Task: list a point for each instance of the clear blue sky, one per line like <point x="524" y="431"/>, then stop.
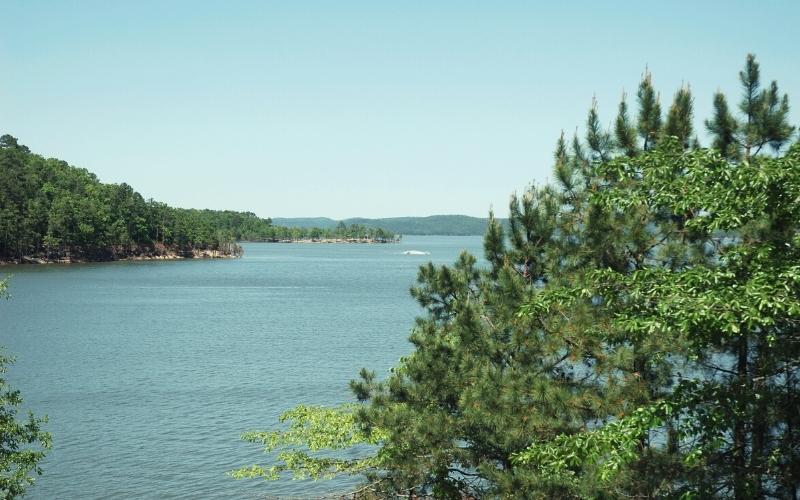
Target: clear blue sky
<point x="355" y="108"/>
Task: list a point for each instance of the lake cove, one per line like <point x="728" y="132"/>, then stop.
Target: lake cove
<point x="150" y="371"/>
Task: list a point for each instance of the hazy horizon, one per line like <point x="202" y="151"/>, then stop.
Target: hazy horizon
<point x="354" y="109"/>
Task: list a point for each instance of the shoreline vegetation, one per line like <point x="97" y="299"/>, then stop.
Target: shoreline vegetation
<point x="369" y="241"/>
<point x="160" y="252"/>
<point x="52" y="212"/>
<point x="342" y="233"/>
<point x="156" y="252"/>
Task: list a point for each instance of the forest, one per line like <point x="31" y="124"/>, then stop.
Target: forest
<point x="635" y="332"/>
<point x="52" y="211"/>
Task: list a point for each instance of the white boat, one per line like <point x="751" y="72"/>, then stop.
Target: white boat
<point x="415" y="252"/>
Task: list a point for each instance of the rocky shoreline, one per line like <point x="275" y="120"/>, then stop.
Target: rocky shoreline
<point x="114" y="255"/>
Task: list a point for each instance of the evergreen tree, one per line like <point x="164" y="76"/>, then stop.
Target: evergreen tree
<point x="730" y="419"/>
<point x="649" y="123"/>
<point x="680" y="117"/>
<point x="624" y="131"/>
<point x="633" y="335"/>
<point x="764" y="117"/>
<point x="723" y="128"/>
<point x="599" y="141"/>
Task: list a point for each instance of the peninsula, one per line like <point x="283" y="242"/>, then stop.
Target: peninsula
<point x="51" y="211"/>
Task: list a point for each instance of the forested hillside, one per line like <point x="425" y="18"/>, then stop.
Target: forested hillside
<point x="303" y="222"/>
<point x="53" y="211"/>
<point x="449" y="225"/>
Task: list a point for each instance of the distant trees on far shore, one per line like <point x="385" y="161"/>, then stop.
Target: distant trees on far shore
<point x="355" y="233"/>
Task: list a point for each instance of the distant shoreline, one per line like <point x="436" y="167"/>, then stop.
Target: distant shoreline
<point x="162" y="254"/>
<point x="349" y="241"/>
<point x="432" y="225"/>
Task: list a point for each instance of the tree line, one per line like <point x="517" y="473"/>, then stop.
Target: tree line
<point x="51" y="210"/>
<point x="635" y="334"/>
<point x="353" y="233"/>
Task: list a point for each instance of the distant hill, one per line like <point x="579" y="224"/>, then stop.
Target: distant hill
<point x="320" y="222"/>
<point x="449" y="225"/>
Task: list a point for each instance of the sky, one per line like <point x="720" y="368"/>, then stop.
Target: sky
<point x="344" y="108"/>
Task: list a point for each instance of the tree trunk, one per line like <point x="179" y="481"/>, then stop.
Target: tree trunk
<point x="760" y="424"/>
<point x="740" y="480"/>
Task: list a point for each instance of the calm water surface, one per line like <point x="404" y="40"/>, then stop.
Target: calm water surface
<point x="150" y="371"/>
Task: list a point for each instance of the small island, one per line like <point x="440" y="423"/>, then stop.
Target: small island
<point x="342" y="233"/>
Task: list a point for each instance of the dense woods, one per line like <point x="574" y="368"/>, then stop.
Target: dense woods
<point x="635" y="334"/>
<point x="53" y="211"/>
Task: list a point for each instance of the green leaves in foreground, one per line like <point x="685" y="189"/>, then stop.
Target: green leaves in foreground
<point x="314" y="428"/>
<point x="22" y="442"/>
<point x="608" y="447"/>
<point x="725" y="422"/>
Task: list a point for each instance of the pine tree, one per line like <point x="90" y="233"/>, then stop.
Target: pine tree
<point x="624" y="131"/>
<point x="764" y="117"/>
<point x="599" y="141"/>
<point x="649" y="123"/>
<point x="680" y="117"/>
<point x="733" y="245"/>
<point x="634" y="334"/>
<point x="723" y="127"/>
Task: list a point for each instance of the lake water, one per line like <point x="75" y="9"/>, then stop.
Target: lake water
<point x="150" y="371"/>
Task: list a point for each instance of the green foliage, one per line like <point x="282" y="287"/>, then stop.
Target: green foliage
<point x="649" y="125"/>
<point x="680" y="117"/>
<point x="598" y="140"/>
<point x="764" y="117"/>
<point x="624" y="131"/>
<point x="633" y="334"/>
<point x="604" y="450"/>
<point x="23" y="443"/>
<point x="731" y="424"/>
<point x="353" y="233"/>
<point x="722" y="127"/>
<point x="313" y="428"/>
